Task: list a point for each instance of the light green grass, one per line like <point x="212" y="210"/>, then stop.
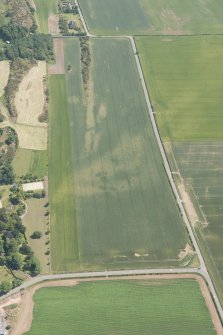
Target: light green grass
<point x="64" y="243"/>
<point x="31" y="161"/>
<point x="164" y="307"/>
<point x="153" y="16"/>
<point x="184" y="77"/>
<point x="36" y="220"/>
<point x="43" y="10"/>
<point x="124" y="202"/>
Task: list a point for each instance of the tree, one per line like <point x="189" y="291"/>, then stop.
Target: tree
<point x="32" y="265"/>
<point x="14" y="262"/>
<point x="36" y="235"/>
<point x="26" y="250"/>
<point x="5" y="287"/>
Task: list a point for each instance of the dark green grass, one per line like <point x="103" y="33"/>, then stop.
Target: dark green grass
<point x="64" y="245"/>
<point x="31" y="161"/>
<point x="184" y="77"/>
<point x="43" y="9"/>
<point x="124" y="203"/>
<point x="153" y="16"/>
<point x="160" y="307"/>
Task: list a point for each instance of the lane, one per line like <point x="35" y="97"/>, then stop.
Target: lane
<point x="97" y="274"/>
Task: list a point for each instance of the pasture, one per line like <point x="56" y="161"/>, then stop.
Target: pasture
<point x="164" y="307"/>
<point x="117" y="195"/>
<point x="43" y="10"/>
<point x="151" y="17"/>
<point x="64" y="245"/>
<point x="184" y="78"/>
<point x="31" y="161"/>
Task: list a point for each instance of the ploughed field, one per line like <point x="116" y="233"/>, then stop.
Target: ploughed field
<point x="111" y="203"/>
<point x="184" y="77"/>
<point x="157" y="307"/>
<point x="151" y="17"/>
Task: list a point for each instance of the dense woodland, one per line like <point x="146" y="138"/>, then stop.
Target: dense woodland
<point x="21" y="42"/>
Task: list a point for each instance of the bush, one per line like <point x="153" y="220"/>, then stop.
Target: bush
<point x="36" y="235"/>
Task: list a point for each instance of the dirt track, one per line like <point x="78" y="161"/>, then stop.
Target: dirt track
<point x="25" y="315"/>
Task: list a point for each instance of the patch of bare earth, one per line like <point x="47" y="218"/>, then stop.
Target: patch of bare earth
<point x="59" y="66"/>
<point x="25" y="314"/>
<point x="188" y="250"/>
<point x="4" y="75"/>
<point x="53" y="24"/>
<point x="172" y="24"/>
<point x="30" y="97"/>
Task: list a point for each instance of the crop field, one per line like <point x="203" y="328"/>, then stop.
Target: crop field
<point x="125" y="211"/>
<point x="184" y="77"/>
<point x="143" y="17"/>
<point x="43" y="9"/>
<point x="165" y="307"/>
<point x="64" y="246"/>
<point x="201" y="164"/>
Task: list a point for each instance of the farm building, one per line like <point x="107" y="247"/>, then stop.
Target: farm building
<point x="72" y="25"/>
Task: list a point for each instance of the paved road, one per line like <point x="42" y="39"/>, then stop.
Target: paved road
<point x="105" y="274"/>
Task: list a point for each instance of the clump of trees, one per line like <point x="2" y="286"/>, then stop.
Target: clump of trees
<point x="67" y="7"/>
<point x="85" y="60"/>
<point x="8" y="146"/>
<point x="21" y="42"/>
<point x="14" y="252"/>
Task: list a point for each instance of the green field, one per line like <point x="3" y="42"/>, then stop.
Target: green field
<point x="31" y="161"/>
<point x="184" y="76"/>
<point x="43" y="9"/>
<point x="122" y="307"/>
<point x="125" y="213"/>
<point x="172" y="17"/>
<point x="64" y="246"/>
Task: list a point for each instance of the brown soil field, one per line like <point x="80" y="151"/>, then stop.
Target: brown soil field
<point x="53" y="24"/>
<point x="59" y="66"/>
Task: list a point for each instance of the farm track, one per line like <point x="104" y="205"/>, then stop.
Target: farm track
<point x="202" y="270"/>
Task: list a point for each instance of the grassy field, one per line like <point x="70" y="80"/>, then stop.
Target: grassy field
<point x="35" y="220"/>
<point x="64" y="245"/>
<point x="184" y="76"/>
<point x="31" y="161"/>
<point x="153" y="16"/>
<point x="125" y="210"/>
<point x="43" y="9"/>
<point x="143" y="307"/>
